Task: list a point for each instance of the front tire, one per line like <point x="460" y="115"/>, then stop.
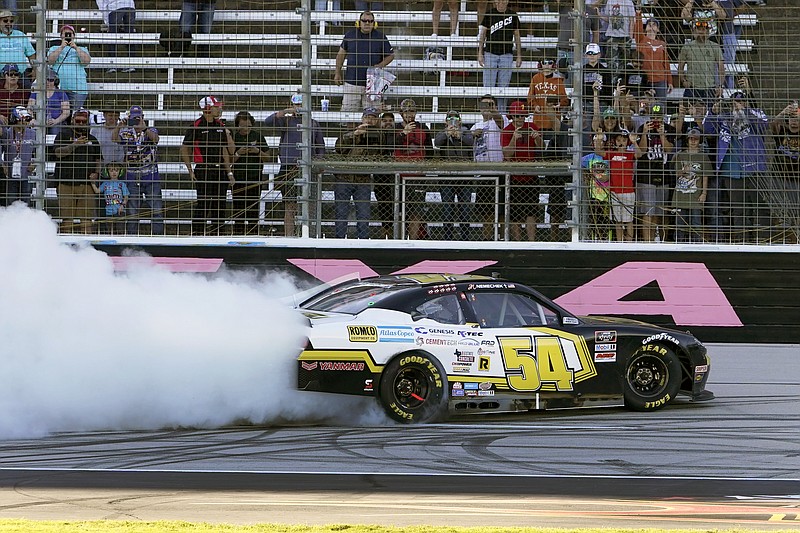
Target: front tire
<point x="413" y="389"/>
<point x="652" y="378"/>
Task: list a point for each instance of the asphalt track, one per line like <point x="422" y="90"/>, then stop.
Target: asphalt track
<point x="733" y="462"/>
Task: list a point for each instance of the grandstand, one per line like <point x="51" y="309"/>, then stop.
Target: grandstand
<point x="255" y="61"/>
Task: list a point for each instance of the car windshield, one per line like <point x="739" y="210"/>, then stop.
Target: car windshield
<point x="351" y="299"/>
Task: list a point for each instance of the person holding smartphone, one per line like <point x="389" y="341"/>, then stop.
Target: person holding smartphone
<point x="455" y="143"/>
<point x="69" y="62"/>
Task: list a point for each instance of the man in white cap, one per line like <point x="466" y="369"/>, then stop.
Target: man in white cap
<point x="206" y="151"/>
<point x="596" y="77"/>
<point x="15" y="46"/>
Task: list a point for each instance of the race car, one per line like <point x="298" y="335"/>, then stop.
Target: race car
<point x="432" y="345"/>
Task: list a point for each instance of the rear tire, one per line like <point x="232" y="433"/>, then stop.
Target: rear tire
<point x="652" y="378"/>
<point x="413" y="389"/>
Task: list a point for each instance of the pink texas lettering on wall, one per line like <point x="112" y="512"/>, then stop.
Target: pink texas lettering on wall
<point x="692" y="297"/>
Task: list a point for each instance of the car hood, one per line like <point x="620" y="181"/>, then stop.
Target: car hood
<point x="608" y="321"/>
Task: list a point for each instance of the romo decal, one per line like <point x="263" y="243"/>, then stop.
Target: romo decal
<point x="362" y="333"/>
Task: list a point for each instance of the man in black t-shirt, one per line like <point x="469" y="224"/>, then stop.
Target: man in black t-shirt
<point x="208" y="144"/>
<point x="654" y="180"/>
<point x="78" y="161"/>
<point x="498" y="37"/>
<point x="251" y="152"/>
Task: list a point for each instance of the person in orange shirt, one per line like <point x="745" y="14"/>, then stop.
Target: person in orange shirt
<point x="655" y="58"/>
<point x="547" y="99"/>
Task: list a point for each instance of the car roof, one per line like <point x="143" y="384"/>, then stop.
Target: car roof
<point x="426" y="279"/>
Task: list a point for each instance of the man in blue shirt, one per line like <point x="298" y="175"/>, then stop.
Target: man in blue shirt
<point x="363" y="47"/>
<point x="15" y="46"/>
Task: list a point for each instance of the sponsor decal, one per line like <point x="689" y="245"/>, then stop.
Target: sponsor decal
<point x="700" y="369"/>
<point x="341" y="366"/>
<point x="468" y="342"/>
<point x="569" y="320"/>
<point x="605" y="357"/>
<point x="362" y="333"/>
<point x="470" y="333"/>
<point x="458" y="392"/>
<point x="481" y="351"/>
<point x="485" y="385"/>
<point x="419" y="341"/>
<point x="485" y="393"/>
<point x="465" y="358"/>
<point x="605" y="347"/>
<point x="474" y="286"/>
<point x="368" y="384"/>
<point x="458" y="385"/>
<point x="661" y="337"/>
<point x="471" y="392"/>
<point x="483" y="363"/>
<point x="488" y="343"/>
<point x="605" y="336"/>
<point x="461" y="367"/>
<point x="698" y="377"/>
<point x="308" y="366"/>
<point x="435" y="342"/>
<point x="471" y="386"/>
<point x="395" y="334"/>
<point x="422" y="330"/>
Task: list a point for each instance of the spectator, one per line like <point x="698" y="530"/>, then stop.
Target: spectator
<point x="437" y="15"/>
<point x="365" y="142"/>
<point x="383" y="186"/>
<point x="741" y="162"/>
<point x="719" y="14"/>
<point x="11" y="94"/>
<point x="115" y="195"/>
<point x="10" y="5"/>
<point x="547" y="97"/>
<point x="198" y="15"/>
<point x="653" y="183"/>
<point x="69" y="61"/>
<point x="207" y="145"/>
<point x="248" y="168"/>
<point x="692" y="170"/>
<point x="121" y="18"/>
<point x="521" y="141"/>
<point x="622" y="165"/>
<point x="620" y="16"/>
<point x="455" y="142"/>
<point x="596" y="77"/>
<point x="608" y="127"/>
<point x="566" y="31"/>
<point x="596" y="177"/>
<point x="140" y="145"/>
<point x="413" y="143"/>
<point x="78" y="162"/>
<point x="18" y="144"/>
<point x="785" y="129"/>
<point x="106" y="133"/>
<point x="58" y="108"/>
<point x="287" y="124"/>
<point x="700" y="66"/>
<point x="633" y="79"/>
<point x="655" y="58"/>
<point x="322" y="5"/>
<point x="668" y="13"/>
<point x="15" y="46"/>
<point x="499" y="37"/>
<point x="486" y="148"/>
<point x="363" y="47"/>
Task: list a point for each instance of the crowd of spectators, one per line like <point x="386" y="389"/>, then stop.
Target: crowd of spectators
<point x="682" y="156"/>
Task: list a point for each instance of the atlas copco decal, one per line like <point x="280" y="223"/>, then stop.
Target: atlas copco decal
<point x="395" y="334"/>
<point x="661" y="337"/>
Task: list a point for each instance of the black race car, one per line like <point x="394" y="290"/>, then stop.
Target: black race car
<point x="427" y="345"/>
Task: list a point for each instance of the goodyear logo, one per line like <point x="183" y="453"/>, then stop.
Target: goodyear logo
<point x="362" y="333"/>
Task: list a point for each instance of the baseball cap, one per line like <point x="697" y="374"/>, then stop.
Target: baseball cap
<point x="453" y="114"/>
<point x="297" y="99"/>
<point x="20" y="114"/>
<point x="135" y="111"/>
<point x="4" y="14"/>
<point x="67" y="27"/>
<point x="609" y="112"/>
<point x="82" y="112"/>
<point x="592" y="48"/>
<point x="11" y="67"/>
<point x="656" y="109"/>
<point x="209" y="102"/>
<point x="737" y="95"/>
<point x="693" y="132"/>
<point x="653" y="20"/>
<point x="370" y="111"/>
<point x="517" y="108"/>
<point x="408" y="105"/>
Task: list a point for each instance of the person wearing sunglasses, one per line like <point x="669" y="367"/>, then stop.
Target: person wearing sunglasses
<point x="15" y="46"/>
<point x="69" y="61"/>
<point x="700" y="66"/>
<point x="363" y="47"/>
<point x="11" y="93"/>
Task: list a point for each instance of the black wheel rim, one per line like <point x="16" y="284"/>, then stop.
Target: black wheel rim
<point x="648" y="376"/>
<point x="411" y="388"/>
